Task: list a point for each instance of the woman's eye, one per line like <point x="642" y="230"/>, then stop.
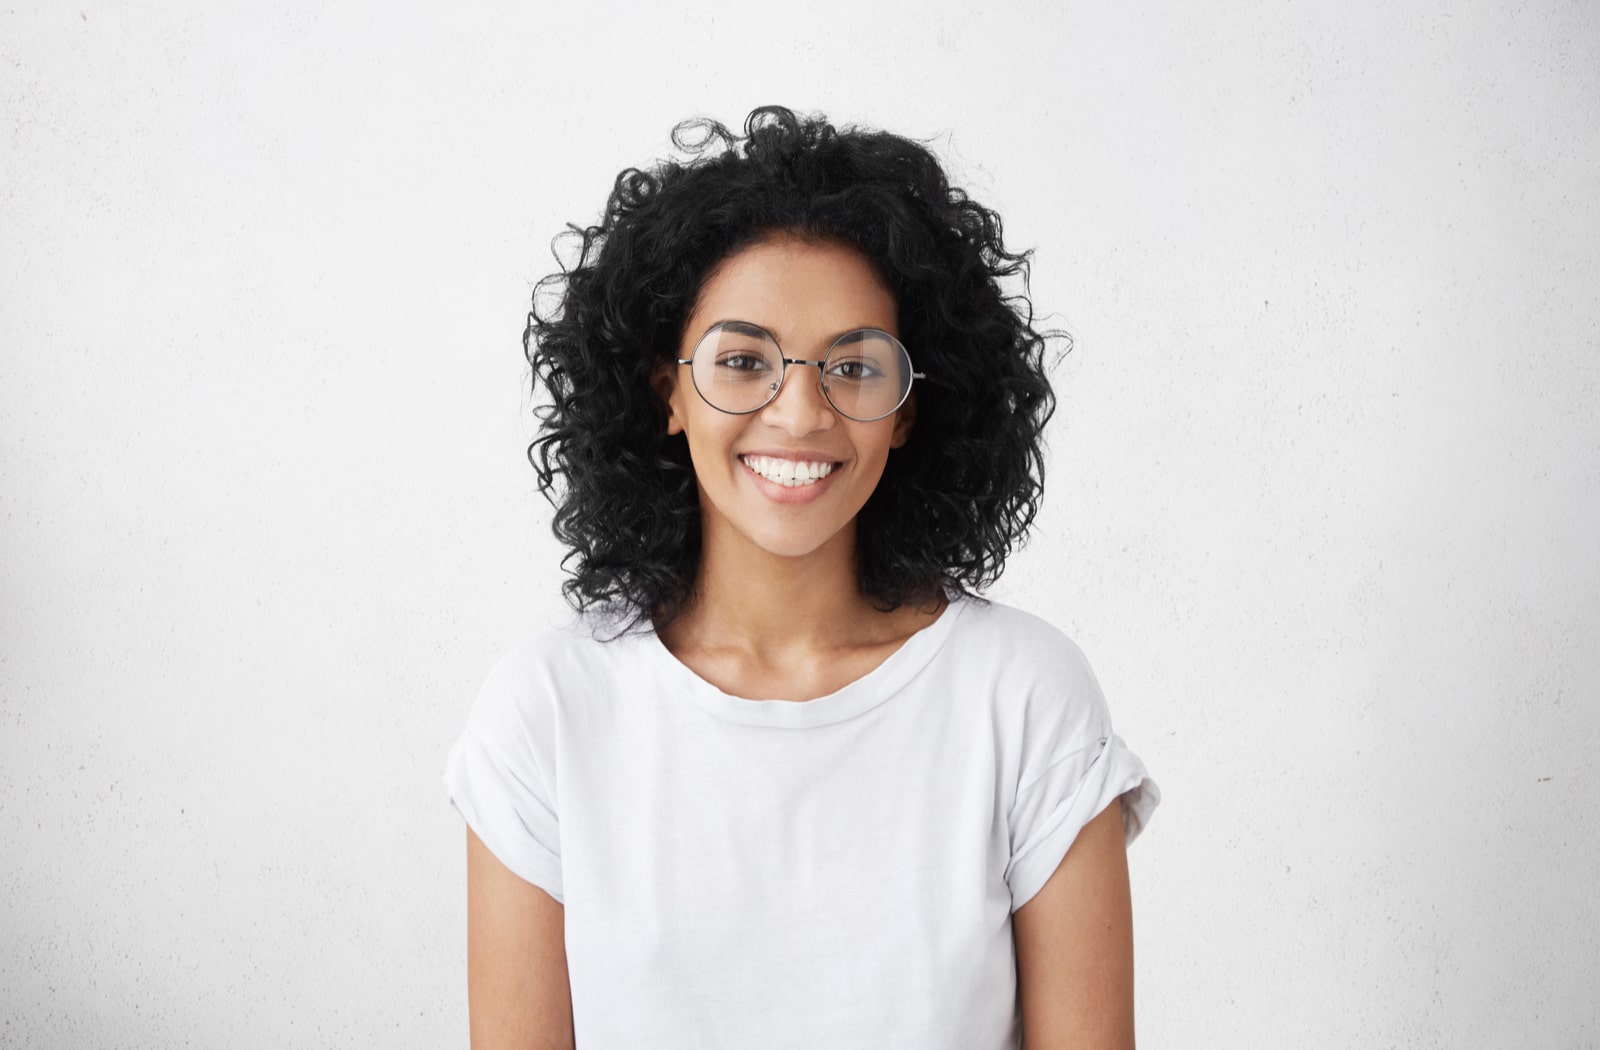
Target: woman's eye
<point x="857" y="369"/>
<point x="742" y="362"/>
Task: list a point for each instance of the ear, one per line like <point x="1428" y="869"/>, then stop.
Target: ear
<point x="903" y="419"/>
<point x="664" y="381"/>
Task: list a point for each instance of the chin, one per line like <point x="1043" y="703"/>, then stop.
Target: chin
<point x="790" y="547"/>
<point x="791" y="543"/>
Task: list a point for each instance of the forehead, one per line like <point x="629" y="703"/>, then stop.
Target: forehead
<point x="800" y="291"/>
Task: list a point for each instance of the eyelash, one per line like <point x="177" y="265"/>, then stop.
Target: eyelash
<point x="867" y="371"/>
<point x="742" y="362"/>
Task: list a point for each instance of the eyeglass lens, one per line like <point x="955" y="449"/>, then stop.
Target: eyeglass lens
<point x="738" y="368"/>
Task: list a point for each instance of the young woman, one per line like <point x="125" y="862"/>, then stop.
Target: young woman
<point x="786" y="781"/>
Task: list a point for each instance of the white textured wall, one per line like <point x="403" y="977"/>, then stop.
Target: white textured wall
<point x="1322" y="508"/>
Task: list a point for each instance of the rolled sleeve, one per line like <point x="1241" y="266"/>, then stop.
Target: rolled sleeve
<point x="506" y="806"/>
<point x="1075" y="789"/>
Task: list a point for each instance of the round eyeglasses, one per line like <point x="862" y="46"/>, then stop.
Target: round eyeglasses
<point x="738" y="368"/>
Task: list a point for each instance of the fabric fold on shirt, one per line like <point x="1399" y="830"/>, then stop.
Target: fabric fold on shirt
<point x="1075" y="789"/>
<point x="506" y="812"/>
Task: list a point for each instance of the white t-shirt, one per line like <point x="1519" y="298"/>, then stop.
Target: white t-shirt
<point x="835" y="873"/>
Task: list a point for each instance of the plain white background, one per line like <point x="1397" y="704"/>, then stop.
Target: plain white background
<point x="1321" y="509"/>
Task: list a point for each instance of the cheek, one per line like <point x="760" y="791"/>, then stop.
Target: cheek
<point x="710" y="441"/>
<point x="876" y="443"/>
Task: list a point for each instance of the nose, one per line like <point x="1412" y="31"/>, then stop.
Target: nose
<point x="800" y="407"/>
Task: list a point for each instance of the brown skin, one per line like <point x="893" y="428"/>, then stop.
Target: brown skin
<point x="777" y="613"/>
<point x="517" y="988"/>
<point x="1075" y="946"/>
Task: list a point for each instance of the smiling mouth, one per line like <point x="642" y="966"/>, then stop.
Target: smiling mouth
<point x="789" y="473"/>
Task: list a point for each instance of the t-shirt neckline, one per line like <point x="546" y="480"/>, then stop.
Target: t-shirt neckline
<point x="855" y="698"/>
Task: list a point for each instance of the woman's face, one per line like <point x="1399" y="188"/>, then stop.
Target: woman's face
<point x="806" y="294"/>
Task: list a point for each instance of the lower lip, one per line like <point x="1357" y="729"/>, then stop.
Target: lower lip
<point x="790" y="493"/>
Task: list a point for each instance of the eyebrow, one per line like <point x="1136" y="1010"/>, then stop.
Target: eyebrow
<point x="755" y="331"/>
<point x="740" y="328"/>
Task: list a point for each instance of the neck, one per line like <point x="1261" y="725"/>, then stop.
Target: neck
<point x="751" y="599"/>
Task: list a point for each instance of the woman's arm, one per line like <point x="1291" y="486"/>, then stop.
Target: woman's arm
<point x="1075" y="946"/>
<point x="517" y="989"/>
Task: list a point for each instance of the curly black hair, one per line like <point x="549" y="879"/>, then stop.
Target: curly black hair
<point x="952" y="502"/>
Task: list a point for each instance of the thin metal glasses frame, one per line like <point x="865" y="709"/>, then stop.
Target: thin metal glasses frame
<point x="787" y="361"/>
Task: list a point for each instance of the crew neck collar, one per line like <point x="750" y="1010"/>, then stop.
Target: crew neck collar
<point x="859" y="696"/>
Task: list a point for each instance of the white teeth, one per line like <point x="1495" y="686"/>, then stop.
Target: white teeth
<point x="788" y="472"/>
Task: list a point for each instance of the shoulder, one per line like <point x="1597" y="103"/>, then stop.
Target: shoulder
<point x="1044" y="695"/>
<point x="572" y="646"/>
<point x="526" y="686"/>
<point x="1022" y="646"/>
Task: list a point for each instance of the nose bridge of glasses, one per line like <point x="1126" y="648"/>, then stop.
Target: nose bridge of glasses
<point x="816" y="388"/>
<point x="821" y="365"/>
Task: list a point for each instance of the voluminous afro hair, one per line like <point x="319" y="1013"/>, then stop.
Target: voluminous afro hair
<point x="953" y="501"/>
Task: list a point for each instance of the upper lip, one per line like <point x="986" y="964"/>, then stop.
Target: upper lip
<point x="798" y="455"/>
